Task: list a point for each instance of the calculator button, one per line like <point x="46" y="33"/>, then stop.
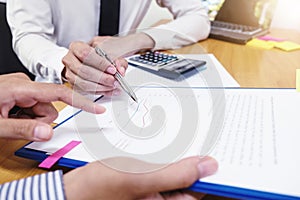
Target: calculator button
<point x="154" y="59"/>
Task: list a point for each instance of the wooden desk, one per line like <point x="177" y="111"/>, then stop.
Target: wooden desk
<point x="251" y="67"/>
<point x="254" y="67"/>
<point x="13" y="167"/>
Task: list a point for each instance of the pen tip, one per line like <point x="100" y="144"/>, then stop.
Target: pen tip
<point x="134" y="99"/>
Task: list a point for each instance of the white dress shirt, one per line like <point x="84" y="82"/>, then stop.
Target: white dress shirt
<point x="43" y="29"/>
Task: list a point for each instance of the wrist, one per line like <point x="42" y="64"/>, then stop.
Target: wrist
<point x="144" y="41"/>
<point x="72" y="184"/>
<point x="138" y="42"/>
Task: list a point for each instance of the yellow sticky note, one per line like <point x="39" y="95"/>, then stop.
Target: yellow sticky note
<point x="298" y="80"/>
<point x="272" y="43"/>
<point x="260" y="43"/>
<point x="287" y="46"/>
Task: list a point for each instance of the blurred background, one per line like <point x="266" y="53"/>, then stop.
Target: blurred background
<point x="286" y="13"/>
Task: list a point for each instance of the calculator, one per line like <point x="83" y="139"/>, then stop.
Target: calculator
<point x="166" y="65"/>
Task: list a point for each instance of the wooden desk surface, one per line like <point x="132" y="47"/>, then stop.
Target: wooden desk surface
<point x="254" y="67"/>
<point x="251" y="67"/>
<point x="13" y="167"/>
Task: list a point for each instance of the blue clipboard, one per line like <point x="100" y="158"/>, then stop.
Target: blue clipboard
<point x="198" y="186"/>
<point x="41" y="155"/>
<point x="208" y="188"/>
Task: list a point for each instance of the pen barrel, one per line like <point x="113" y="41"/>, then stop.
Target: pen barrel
<point x="121" y="80"/>
<point x="117" y="75"/>
<point x="125" y="85"/>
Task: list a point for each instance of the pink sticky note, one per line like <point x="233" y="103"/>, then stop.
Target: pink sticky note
<point x="270" y="38"/>
<point x="53" y="158"/>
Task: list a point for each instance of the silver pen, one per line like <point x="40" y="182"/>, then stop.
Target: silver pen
<point x="117" y="75"/>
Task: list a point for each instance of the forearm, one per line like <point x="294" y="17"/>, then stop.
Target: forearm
<point x="179" y="32"/>
<point x="190" y="24"/>
<point x="42" y="57"/>
<point x="124" y="46"/>
<point x="33" y="38"/>
<point x="142" y="41"/>
<point x="136" y="42"/>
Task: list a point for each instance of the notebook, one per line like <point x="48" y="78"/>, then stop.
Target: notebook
<point x="239" y="21"/>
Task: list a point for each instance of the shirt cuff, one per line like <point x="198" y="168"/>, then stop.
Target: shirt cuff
<point x="48" y="75"/>
<point x="43" y="186"/>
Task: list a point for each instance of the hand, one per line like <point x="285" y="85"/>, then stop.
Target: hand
<point x="34" y="99"/>
<point x="102" y="182"/>
<point x="88" y="72"/>
<point x="123" y="46"/>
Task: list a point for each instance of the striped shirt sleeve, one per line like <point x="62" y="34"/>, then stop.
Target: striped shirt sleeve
<point x="46" y="186"/>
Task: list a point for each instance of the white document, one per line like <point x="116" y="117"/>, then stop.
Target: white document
<point x="215" y="75"/>
<point x="172" y="101"/>
<point x="256" y="139"/>
<point x="259" y="144"/>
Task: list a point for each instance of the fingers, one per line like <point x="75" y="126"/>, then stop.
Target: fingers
<point x="91" y="76"/>
<point x="187" y="172"/>
<point x="18" y="75"/>
<point x="111" y="93"/>
<point x="5" y="109"/>
<point x="44" y="112"/>
<point x="25" y="129"/>
<point x="47" y="92"/>
<point x="111" y="45"/>
<point x="85" y="54"/>
<point x="116" y="184"/>
<point x="182" y="194"/>
<point x="87" y="87"/>
<point x="90" y="72"/>
<point x="10" y="86"/>
<point x="122" y="65"/>
<point x="176" y="176"/>
<point x="115" y="92"/>
<point x="26" y="93"/>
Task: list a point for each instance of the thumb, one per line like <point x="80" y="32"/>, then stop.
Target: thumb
<point x="26" y="129"/>
<point x="178" y="175"/>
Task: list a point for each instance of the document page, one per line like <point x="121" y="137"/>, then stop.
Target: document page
<point x="252" y="133"/>
<point x="259" y="144"/>
<point x="164" y="120"/>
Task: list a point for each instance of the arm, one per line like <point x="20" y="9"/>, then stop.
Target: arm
<point x="98" y="181"/>
<point x="190" y="24"/>
<point x="103" y="182"/>
<point x="33" y="38"/>
<point x="43" y="186"/>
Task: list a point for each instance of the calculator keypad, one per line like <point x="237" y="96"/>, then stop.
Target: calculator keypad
<point x="155" y="58"/>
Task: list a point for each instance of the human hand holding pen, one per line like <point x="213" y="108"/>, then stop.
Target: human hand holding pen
<point x="88" y="72"/>
<point x="126" y="87"/>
